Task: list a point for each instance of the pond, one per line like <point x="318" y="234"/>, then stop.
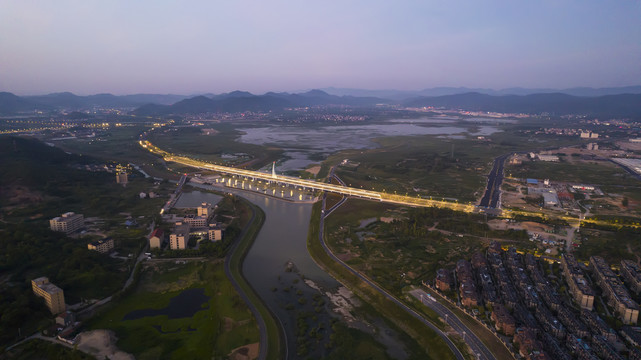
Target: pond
<point x="195" y="198"/>
<point x="183" y="305"/>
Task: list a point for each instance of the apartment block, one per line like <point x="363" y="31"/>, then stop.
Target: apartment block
<point x="53" y="295"/>
<point x="102" y="246"/>
<point x="631" y="273"/>
<point x="614" y="290"/>
<point x="582" y="293"/>
<point x="179" y="238"/>
<point x="67" y="223"/>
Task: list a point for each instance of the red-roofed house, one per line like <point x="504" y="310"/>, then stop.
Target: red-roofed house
<point x="156" y="239"/>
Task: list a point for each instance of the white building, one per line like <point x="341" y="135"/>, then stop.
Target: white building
<point x="67" y="223"/>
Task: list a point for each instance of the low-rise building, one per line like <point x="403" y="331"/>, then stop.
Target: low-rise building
<point x="53" y="295"/>
<point x="102" y="246"/>
<point x="179" y="237"/>
<point x="156" y="239"/>
<point x="121" y="178"/>
<point x="67" y="223"/>
<point x="215" y="233"/>
<point x="65" y="319"/>
<point x="467" y="287"/>
<point x="205" y="209"/>
<point x="503" y="320"/>
<point x="443" y="280"/>
<point x="196" y="221"/>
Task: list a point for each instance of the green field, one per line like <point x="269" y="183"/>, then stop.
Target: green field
<point x="432" y="346"/>
<point x="213" y="332"/>
<point x="192" y="142"/>
<point x="413" y="246"/>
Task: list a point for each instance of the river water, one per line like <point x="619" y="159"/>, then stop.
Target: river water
<point x="278" y="263"/>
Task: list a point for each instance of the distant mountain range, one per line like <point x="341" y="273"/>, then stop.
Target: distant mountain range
<point x="11" y="104"/>
<point x="614" y="102"/>
<point x="441" y="91"/>
<point x="239" y="101"/>
<point x="622" y="105"/>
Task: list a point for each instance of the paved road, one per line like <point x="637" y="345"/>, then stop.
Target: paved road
<point x="262" y="352"/>
<point x="481" y="351"/>
<point x="457" y="353"/>
<point x="494" y="179"/>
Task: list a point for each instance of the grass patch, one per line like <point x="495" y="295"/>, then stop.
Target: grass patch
<point x="220" y="325"/>
<point x="218" y="148"/>
<point x="430" y="342"/>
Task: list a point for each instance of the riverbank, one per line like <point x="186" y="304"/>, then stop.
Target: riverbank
<point x="426" y="337"/>
<point x="270" y="332"/>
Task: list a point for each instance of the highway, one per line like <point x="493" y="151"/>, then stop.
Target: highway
<point x="493" y="190"/>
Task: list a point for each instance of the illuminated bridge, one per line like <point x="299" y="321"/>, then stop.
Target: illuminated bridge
<point x="309" y="184"/>
<point x="370" y="194"/>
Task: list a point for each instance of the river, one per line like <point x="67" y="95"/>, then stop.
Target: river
<point x="284" y="275"/>
<point x="278" y="263"/>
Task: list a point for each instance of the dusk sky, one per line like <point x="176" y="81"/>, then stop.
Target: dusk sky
<point x="187" y="47"/>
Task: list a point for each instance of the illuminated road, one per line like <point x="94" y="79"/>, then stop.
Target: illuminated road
<point x="309" y="184"/>
<point x="373" y="195"/>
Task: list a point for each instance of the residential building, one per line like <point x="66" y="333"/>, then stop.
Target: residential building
<point x="156" y="239"/>
<point x="179" y="238"/>
<point x="215" y="233"/>
<point x="503" y="320"/>
<point x="67" y="223"/>
<point x="631" y="273"/>
<point x="467" y="287"/>
<point x="614" y="290"/>
<point x="443" y="280"/>
<point x="65" y="319"/>
<point x="196" y="221"/>
<point x="205" y="209"/>
<point x="102" y="246"/>
<point x="121" y="178"/>
<point x="582" y="293"/>
<point x="53" y="295"/>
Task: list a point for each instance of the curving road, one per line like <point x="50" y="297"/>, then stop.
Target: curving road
<point x="481" y="351"/>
